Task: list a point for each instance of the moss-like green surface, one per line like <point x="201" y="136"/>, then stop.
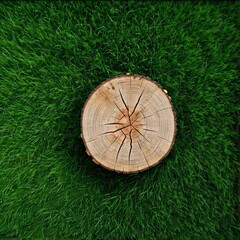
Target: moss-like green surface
<point x="52" y="55"/>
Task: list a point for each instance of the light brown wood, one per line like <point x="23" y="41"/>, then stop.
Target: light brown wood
<point x="128" y="124"/>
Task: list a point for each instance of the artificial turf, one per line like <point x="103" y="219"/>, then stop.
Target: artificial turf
<point x="52" y="55"/>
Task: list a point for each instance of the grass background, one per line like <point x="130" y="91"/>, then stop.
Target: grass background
<point x="52" y="55"/>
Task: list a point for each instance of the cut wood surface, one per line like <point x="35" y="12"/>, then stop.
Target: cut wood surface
<point x="128" y="124"/>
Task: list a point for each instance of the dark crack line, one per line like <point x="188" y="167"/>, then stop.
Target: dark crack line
<point x="122" y="117"/>
<point x="163" y="109"/>
<point x="148" y="103"/>
<point x="123" y="100"/>
<point x="110" y="145"/>
<point x="159" y="144"/>
<point x="113" y="102"/>
<point x="121" y="146"/>
<point x="125" y="106"/>
<point x="148" y="116"/>
<point x="136" y="117"/>
<point x="141" y="124"/>
<point x="119" y="109"/>
<point x="141" y="134"/>
<point x="119" y="118"/>
<point x="93" y="139"/>
<point x="140" y="112"/>
<point x="113" y="123"/>
<point x="150" y="130"/>
<point x="137" y="103"/>
<point x="156" y="112"/>
<point x="164" y="139"/>
<point x="142" y="79"/>
<point x="129" y="155"/>
<point x="115" y="130"/>
<point x="106" y="96"/>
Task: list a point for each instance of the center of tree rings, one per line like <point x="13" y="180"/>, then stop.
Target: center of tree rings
<point x="128" y="124"/>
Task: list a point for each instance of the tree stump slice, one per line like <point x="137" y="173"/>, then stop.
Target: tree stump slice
<point x="128" y="124"/>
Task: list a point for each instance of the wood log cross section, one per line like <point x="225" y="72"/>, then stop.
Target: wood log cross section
<point x="128" y="124"/>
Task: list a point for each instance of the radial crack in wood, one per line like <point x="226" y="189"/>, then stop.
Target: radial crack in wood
<point x="128" y="124"/>
<point x="121" y="146"/>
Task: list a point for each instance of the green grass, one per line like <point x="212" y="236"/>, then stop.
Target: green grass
<point x="52" y="55"/>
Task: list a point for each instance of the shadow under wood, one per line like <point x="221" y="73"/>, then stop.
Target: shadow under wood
<point x="82" y="164"/>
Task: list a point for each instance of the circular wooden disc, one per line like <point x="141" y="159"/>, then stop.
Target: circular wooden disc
<point x="128" y="124"/>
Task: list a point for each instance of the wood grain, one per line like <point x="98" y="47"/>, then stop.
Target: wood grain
<point x="128" y="124"/>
